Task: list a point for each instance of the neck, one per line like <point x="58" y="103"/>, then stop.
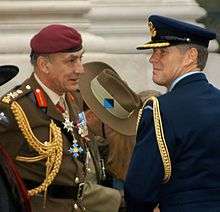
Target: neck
<point x="169" y="88"/>
<point x="48" y="85"/>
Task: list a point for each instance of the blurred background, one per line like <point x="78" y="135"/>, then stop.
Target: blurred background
<point x="212" y="18"/>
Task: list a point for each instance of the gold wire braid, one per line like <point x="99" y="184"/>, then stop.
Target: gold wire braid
<point x="52" y="150"/>
<point x="153" y="45"/>
<point x="159" y="135"/>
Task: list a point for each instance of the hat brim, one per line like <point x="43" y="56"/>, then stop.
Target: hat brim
<point x="152" y="44"/>
<point x="7" y="72"/>
<point x="124" y="126"/>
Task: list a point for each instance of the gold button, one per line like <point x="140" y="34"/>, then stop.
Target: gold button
<point x="77" y="180"/>
<point x="28" y="87"/>
<point x="19" y="91"/>
<point x="75" y="206"/>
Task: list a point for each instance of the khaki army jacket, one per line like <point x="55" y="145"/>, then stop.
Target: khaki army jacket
<point x="72" y="170"/>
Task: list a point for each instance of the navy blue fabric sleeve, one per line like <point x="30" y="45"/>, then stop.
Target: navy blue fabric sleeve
<point x="145" y="172"/>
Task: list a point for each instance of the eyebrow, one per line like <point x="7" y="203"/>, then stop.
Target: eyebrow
<point x="75" y="56"/>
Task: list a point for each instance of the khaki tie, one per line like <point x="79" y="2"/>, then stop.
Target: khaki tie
<point x="61" y="106"/>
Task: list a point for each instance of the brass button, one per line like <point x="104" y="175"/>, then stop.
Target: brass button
<point x="75" y="206"/>
<point x="77" y="180"/>
<point x="28" y="87"/>
<point x="19" y="91"/>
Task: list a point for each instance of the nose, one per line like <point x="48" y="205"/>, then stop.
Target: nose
<point x="79" y="67"/>
<point x="152" y="58"/>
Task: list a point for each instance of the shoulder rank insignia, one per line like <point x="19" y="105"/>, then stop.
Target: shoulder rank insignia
<point x="11" y="96"/>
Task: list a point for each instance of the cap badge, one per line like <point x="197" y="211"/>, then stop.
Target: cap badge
<point x="152" y="29"/>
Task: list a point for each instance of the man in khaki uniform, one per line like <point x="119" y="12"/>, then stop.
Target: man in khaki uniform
<point x="45" y="133"/>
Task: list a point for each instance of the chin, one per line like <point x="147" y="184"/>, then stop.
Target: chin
<point x="155" y="80"/>
<point x="74" y="87"/>
<point x="158" y="82"/>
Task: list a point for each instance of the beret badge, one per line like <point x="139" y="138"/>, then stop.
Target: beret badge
<point x="152" y="29"/>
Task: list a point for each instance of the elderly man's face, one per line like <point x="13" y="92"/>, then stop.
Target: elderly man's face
<point x="167" y="64"/>
<point x="64" y="70"/>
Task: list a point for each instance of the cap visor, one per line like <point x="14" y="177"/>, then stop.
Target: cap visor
<point x="152" y="44"/>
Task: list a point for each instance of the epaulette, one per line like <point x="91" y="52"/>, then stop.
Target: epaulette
<point x="15" y="93"/>
<point x="154" y="103"/>
<point x="146" y="105"/>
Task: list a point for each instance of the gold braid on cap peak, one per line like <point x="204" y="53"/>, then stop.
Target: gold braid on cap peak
<point x="153" y="45"/>
<point x="159" y="135"/>
<point x="51" y="150"/>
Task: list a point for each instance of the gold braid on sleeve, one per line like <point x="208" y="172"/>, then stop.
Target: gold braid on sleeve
<point x="51" y="150"/>
<point x="159" y="136"/>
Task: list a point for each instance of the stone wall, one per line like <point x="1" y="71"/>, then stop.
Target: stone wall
<point x="111" y="31"/>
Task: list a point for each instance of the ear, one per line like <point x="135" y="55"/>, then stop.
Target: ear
<point x="43" y="64"/>
<point x="191" y="57"/>
<point x="193" y="54"/>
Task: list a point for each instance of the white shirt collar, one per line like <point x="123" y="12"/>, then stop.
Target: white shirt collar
<point x="181" y="77"/>
<point x="52" y="95"/>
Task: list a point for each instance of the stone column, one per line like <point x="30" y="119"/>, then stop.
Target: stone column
<point x="20" y="19"/>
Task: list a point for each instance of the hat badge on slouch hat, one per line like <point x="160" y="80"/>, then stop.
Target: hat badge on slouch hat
<point x="109" y="97"/>
<point x="165" y="31"/>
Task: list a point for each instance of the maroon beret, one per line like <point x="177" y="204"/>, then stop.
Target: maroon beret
<point x="56" y="38"/>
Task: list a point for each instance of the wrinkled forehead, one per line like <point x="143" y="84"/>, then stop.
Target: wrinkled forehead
<point x="164" y="49"/>
<point x="66" y="55"/>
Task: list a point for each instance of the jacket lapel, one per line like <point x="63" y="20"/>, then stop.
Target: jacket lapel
<point x="73" y="108"/>
<point x="52" y="111"/>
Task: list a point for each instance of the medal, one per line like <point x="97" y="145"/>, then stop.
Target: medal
<point x="82" y="125"/>
<point x="68" y="125"/>
<point x="75" y="149"/>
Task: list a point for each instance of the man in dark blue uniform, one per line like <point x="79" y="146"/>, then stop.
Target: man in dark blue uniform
<point x="176" y="160"/>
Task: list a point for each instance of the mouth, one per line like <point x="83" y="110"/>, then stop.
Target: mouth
<point x="75" y="80"/>
<point x="155" y="70"/>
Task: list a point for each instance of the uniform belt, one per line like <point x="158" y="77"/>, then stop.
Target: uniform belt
<point x="59" y="191"/>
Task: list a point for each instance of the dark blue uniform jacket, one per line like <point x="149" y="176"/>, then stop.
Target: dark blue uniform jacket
<point x="191" y="122"/>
